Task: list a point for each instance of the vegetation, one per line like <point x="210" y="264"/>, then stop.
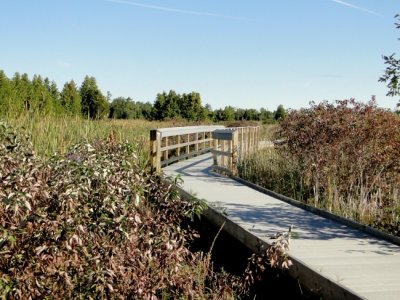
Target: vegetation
<point x="342" y="157"/>
<point x="20" y="95"/>
<point x="392" y="72"/>
<point x="94" y="223"/>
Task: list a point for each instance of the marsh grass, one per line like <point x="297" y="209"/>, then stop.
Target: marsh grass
<point x="343" y="158"/>
<point x="51" y="134"/>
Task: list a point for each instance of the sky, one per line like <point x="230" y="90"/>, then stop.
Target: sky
<point x="243" y="53"/>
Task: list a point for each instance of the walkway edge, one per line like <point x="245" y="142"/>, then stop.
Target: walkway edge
<point x="353" y="224"/>
<point x="307" y="277"/>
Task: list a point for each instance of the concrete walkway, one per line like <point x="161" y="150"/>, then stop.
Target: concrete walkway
<point x="350" y="260"/>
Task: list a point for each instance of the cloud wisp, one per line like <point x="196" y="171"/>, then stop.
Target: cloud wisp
<point x="63" y="64"/>
<point x="181" y="11"/>
<point x="357" y="7"/>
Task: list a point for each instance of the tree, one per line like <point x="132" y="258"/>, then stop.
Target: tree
<point x="228" y="113"/>
<point x="280" y="113"/>
<point x="191" y="108"/>
<point x="70" y="98"/>
<point x="251" y="114"/>
<point x="40" y="99"/>
<point x="166" y="106"/>
<point x="266" y="116"/>
<point x="124" y="108"/>
<point x="209" y="113"/>
<point x="5" y="91"/>
<point x="94" y="104"/>
<point x="392" y="72"/>
<point x="146" y="109"/>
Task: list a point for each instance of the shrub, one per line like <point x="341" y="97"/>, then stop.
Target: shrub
<point x="348" y="153"/>
<point x="93" y="224"/>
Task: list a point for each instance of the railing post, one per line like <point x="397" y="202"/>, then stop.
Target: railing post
<point x="155" y="150"/>
<point x="234" y="151"/>
<point x="165" y="154"/>
<point x="215" y="156"/>
<point x="196" y="147"/>
<point x="178" y="150"/>
<point x="188" y="147"/>
<point x="230" y="156"/>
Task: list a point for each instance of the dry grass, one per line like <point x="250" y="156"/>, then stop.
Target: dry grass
<point x="341" y="157"/>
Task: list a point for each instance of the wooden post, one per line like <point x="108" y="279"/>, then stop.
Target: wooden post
<point x="196" y="146"/>
<point x="165" y="154"/>
<point x="223" y="156"/>
<point x="187" y="147"/>
<point x="155" y="150"/>
<point x="215" y="156"/>
<point x="230" y="151"/>
<point x="178" y="150"/>
<point x="247" y="140"/>
<point x="235" y="141"/>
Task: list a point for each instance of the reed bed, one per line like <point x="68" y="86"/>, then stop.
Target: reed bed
<point x="343" y="157"/>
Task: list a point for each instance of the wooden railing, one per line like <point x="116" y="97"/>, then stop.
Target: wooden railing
<point x="229" y="145"/>
<point x="168" y="145"/>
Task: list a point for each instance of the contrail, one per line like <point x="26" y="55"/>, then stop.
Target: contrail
<point x="181" y="11"/>
<point x="357" y="7"/>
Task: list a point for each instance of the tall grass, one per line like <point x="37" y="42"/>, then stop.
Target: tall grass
<point x="344" y="158"/>
<point x="55" y="134"/>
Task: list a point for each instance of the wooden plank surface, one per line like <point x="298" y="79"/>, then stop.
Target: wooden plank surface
<point x="365" y="266"/>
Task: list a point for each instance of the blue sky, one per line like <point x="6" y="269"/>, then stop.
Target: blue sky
<point x="244" y="53"/>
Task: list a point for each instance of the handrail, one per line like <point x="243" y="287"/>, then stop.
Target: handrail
<point x="168" y="145"/>
<point x="232" y="145"/>
<point x="229" y="145"/>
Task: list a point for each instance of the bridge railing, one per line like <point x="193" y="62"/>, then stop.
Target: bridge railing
<point x="168" y="145"/>
<point x="229" y="145"/>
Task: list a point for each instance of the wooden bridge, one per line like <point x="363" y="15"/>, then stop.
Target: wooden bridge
<point x="332" y="256"/>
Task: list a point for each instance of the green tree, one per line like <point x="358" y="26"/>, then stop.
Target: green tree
<point x="251" y="114"/>
<point x="280" y="113"/>
<point x="209" y="113"/>
<point x="41" y="100"/>
<point x="166" y="106"/>
<point x="70" y="98"/>
<point x="94" y="104"/>
<point x="392" y="72"/>
<point x="266" y="116"/>
<point x="239" y="114"/>
<point x="228" y="113"/>
<point x="190" y="107"/>
<point x="146" y="109"/>
<point x="124" y="108"/>
<point x="5" y="92"/>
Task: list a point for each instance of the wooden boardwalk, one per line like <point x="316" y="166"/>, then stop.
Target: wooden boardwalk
<point x="342" y="262"/>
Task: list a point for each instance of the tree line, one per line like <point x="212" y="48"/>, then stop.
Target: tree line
<point x="21" y="94"/>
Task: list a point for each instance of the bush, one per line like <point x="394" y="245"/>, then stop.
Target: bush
<point x="348" y="153"/>
<point x="93" y="224"/>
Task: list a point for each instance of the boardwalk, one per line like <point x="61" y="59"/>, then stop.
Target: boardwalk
<point x="360" y="265"/>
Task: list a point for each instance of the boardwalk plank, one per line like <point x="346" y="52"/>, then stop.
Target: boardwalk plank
<point x="365" y="265"/>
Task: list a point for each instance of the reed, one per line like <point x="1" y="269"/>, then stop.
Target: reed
<point x="341" y="157"/>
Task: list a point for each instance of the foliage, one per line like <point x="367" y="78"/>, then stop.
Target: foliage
<point x="20" y="95"/>
<point x="275" y="171"/>
<point x="124" y="108"/>
<point x="71" y="99"/>
<point x="172" y="106"/>
<point x="280" y="113"/>
<point x="342" y="157"/>
<point x="94" y="104"/>
<point x="93" y="224"/>
<point x="348" y="154"/>
<point x="392" y="72"/>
